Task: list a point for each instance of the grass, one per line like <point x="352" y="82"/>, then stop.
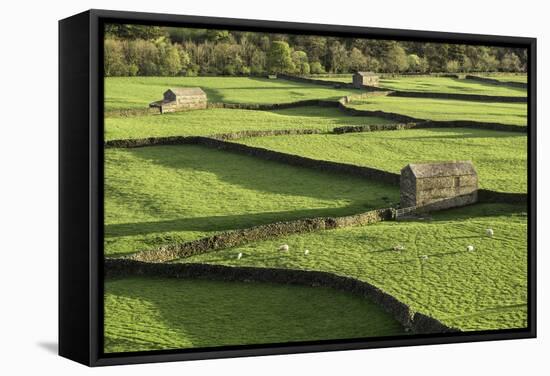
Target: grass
<point x="479" y="290"/>
<point x="345" y="78"/>
<point x="445" y="109"/>
<point x="213" y="121"/>
<point x="500" y="158"/>
<point x="166" y="194"/>
<point x="438" y="84"/>
<point x="158" y="314"/>
<point x="138" y="92"/>
<point x="507" y="77"/>
<point x="450" y="85"/>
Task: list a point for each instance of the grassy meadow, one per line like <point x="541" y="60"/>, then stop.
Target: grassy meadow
<point x="482" y="289"/>
<point x="166" y="194"/>
<point x="447" y="109"/>
<point x="439" y="84"/>
<point x="215" y="121"/>
<point x="138" y="92"/>
<point x="160" y="314"/>
<point x="162" y="195"/>
<point x="507" y="77"/>
<point x="500" y="158"/>
<point x="450" y="85"/>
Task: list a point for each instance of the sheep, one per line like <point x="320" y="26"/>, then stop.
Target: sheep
<point x="398" y="248"/>
<point x="470" y="248"/>
<point x="284" y="248"/>
<point x="489" y="232"/>
<point x="306" y="252"/>
<point x="239" y="256"/>
<point x="424" y="257"/>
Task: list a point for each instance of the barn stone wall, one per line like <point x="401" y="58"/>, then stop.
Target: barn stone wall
<point x="443" y="193"/>
<point x="189" y="102"/>
<point x="430" y="193"/>
<point x="359" y="81"/>
<point x="407" y="189"/>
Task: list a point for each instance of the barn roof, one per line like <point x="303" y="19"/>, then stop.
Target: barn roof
<point x="364" y="74"/>
<point x="440" y="169"/>
<point x="185" y="91"/>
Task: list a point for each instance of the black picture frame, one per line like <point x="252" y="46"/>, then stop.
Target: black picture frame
<point x="81" y="186"/>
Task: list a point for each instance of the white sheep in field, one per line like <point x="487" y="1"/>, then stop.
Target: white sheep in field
<point x="240" y="256"/>
<point x="306" y="252"/>
<point x="489" y="232"/>
<point x="398" y="248"/>
<point x="424" y="257"/>
<point x="470" y="248"/>
<point x="284" y="248"/>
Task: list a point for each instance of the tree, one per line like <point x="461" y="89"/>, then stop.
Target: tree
<point x="219" y="36"/>
<point x="279" y="59"/>
<point x="453" y="66"/>
<point x="114" y="61"/>
<point x="316" y="68"/>
<point x="373" y="64"/>
<point x="356" y="60"/>
<point x="185" y="59"/>
<point x="258" y="62"/>
<point x="511" y="63"/>
<point x="151" y="50"/>
<point x="488" y="62"/>
<point x="338" y="57"/>
<point x="437" y="56"/>
<point x="147" y="57"/>
<point x="413" y="61"/>
<point x="316" y="47"/>
<point x="395" y="58"/>
<point x="169" y="60"/>
<point x="300" y="60"/>
<point x="133" y="32"/>
<point x="424" y="65"/>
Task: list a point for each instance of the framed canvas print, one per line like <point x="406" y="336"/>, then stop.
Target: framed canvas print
<point x="236" y="187"/>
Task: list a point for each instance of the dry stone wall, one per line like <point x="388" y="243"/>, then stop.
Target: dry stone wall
<point x="235" y="238"/>
<point x="415" y="321"/>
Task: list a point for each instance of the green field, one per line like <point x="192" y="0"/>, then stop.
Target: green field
<point x="165" y="194"/>
<point x="138" y="92"/>
<point x="449" y="85"/>
<point x="482" y="289"/>
<point x="156" y="314"/>
<point x="500" y="158"/>
<point x="171" y="194"/>
<point x="215" y="121"/>
<point x="439" y="84"/>
<point x="507" y="77"/>
<point x="446" y="109"/>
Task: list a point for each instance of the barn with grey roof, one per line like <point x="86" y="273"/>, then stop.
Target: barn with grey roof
<point x="361" y="79"/>
<point x="436" y="186"/>
<point x="181" y="99"/>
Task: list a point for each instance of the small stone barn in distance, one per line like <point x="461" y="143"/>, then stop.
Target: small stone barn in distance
<point x="436" y="186"/>
<point x="181" y="99"/>
<point x="365" y="78"/>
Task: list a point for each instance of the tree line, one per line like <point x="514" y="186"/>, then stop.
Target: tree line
<point x="134" y="50"/>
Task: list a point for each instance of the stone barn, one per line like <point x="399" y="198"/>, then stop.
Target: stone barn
<point x="365" y="78"/>
<point x="181" y="99"/>
<point x="436" y="186"/>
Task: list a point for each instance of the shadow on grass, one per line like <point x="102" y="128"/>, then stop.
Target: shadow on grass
<point x="209" y="313"/>
<point x="452" y="133"/>
<point x="272" y="177"/>
<point x="224" y="223"/>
